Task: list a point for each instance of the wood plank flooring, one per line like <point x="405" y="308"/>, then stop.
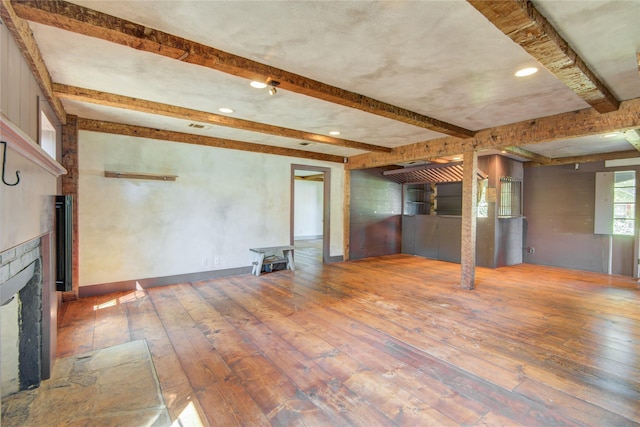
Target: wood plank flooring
<point x="383" y="342"/>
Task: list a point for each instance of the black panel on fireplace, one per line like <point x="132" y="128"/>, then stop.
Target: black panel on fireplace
<point x="64" y="253"/>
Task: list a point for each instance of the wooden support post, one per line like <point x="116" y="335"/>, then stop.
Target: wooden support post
<point x="346" y="215"/>
<point x="469" y="208"/>
<point x="70" y="186"/>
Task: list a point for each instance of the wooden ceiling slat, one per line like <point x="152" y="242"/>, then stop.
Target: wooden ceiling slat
<point x="429" y="173"/>
<point x="136" y="104"/>
<point x="165" y="135"/>
<point x="521" y="21"/>
<point x="81" y="20"/>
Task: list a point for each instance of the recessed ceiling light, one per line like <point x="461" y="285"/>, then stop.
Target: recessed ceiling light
<point x="258" y="85"/>
<point x="334" y="132"/>
<point x="225" y="110"/>
<point x="526" y="72"/>
<point x="611" y="135"/>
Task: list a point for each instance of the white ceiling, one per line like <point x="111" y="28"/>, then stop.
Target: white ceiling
<point x="442" y="59"/>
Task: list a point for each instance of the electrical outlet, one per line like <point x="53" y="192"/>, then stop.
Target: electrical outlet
<point x="205" y="261"/>
<point x="216" y="260"/>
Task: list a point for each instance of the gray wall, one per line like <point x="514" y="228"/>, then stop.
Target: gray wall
<point x="376" y="208"/>
<point x="498" y="241"/>
<point x="559" y="204"/>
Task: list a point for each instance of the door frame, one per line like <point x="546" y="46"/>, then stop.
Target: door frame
<point x="326" y="206"/>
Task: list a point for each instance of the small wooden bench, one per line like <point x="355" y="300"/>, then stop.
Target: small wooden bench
<point x="260" y="253"/>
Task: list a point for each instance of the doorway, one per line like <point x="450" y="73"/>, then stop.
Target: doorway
<point x="310" y="208"/>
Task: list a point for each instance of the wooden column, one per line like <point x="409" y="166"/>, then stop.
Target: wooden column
<point x="70" y="184"/>
<point x="347" y="214"/>
<point x="469" y="209"/>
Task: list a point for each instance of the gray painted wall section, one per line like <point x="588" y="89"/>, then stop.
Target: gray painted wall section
<point x="498" y="241"/>
<point x="376" y="207"/>
<point x="559" y="205"/>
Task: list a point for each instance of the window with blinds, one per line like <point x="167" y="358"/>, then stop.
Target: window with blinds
<point x="510" y="197"/>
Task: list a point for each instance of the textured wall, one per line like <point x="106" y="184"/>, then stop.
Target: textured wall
<point x="376" y="208"/>
<point x="222" y="203"/>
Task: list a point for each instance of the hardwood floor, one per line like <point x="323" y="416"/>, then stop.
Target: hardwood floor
<point x="383" y="341"/>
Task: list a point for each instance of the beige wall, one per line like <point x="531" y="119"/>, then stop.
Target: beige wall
<point x="222" y="203"/>
<point x="26" y="210"/>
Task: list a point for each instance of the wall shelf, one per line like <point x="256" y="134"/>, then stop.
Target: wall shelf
<point x="134" y="175"/>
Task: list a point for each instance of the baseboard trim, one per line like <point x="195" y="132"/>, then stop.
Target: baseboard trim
<point x="338" y="258"/>
<point x="132" y="285"/>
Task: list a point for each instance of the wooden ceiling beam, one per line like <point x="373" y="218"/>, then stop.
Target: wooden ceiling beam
<point x="561" y="126"/>
<point x="23" y="36"/>
<point x="530" y="155"/>
<point x="186" y="138"/>
<point x="136" y="104"/>
<point x="316" y="178"/>
<point x="520" y="20"/>
<point x="81" y="20"/>
<point x="587" y="159"/>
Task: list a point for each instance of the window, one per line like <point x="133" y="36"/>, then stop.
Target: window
<point x="624" y="203"/>
<point x="483" y="205"/>
<point x="510" y="197"/>
<point x="47" y="135"/>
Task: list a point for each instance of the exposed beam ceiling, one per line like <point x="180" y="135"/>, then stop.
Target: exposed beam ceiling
<point x="78" y="19"/>
<point x="562" y="126"/>
<point x="587" y="159"/>
<point x="520" y="20"/>
<point x="633" y="136"/>
<point x="521" y="152"/>
<point x="165" y="135"/>
<point x="21" y="32"/>
<point x="129" y="103"/>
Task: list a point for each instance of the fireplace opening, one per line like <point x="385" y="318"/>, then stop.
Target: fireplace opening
<point x="21" y="314"/>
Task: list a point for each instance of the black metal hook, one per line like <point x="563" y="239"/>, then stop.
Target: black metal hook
<point x="4" y="165"/>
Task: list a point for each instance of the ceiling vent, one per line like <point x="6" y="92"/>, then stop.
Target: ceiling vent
<point x="196" y="126"/>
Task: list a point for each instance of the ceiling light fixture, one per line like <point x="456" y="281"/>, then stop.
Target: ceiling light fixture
<point x="526" y="72"/>
<point x="334" y="132"/>
<point x="258" y="85"/>
<point x="273" y="84"/>
<point x="225" y="110"/>
<point x="611" y="135"/>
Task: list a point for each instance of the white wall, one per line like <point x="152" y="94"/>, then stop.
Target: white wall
<point x="223" y="203"/>
<point x="308" y="209"/>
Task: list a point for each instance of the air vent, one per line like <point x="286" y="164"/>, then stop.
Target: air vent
<point x="196" y="126"/>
